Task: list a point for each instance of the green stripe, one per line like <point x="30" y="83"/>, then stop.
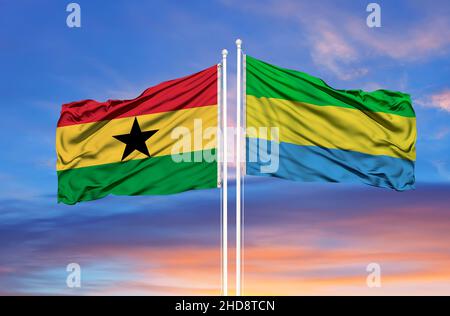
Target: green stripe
<point x="150" y="176"/>
<point x="266" y="80"/>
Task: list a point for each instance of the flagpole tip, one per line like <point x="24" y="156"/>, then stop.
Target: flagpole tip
<point x="238" y="43"/>
<point x="224" y="52"/>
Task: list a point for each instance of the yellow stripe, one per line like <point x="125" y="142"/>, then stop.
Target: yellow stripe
<point x="92" y="144"/>
<point x="335" y="127"/>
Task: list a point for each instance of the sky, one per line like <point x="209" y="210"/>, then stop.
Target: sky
<point x="300" y="238"/>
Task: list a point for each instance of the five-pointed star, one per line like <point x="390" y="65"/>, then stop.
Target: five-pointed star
<point x="135" y="140"/>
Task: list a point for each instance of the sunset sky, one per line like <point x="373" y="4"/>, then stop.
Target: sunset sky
<point x="300" y="238"/>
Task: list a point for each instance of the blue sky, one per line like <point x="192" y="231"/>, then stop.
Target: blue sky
<point x="124" y="47"/>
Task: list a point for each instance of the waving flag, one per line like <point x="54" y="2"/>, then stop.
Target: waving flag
<point x="327" y="134"/>
<point x="125" y="147"/>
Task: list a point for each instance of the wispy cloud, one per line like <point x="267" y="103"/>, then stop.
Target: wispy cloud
<point x="414" y="42"/>
<point x="442" y="100"/>
<point x="439" y="100"/>
<point x="332" y="51"/>
<point x="341" y="42"/>
<point x="328" y="48"/>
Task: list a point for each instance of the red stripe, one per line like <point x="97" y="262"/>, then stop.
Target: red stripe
<point x="196" y="90"/>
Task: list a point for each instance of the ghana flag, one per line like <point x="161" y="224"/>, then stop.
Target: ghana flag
<point x="326" y="134"/>
<point x="149" y="145"/>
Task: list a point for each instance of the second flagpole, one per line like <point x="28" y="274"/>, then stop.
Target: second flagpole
<point x="238" y="169"/>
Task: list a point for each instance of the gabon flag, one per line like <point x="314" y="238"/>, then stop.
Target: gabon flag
<point x="327" y="134"/>
<point x="145" y="146"/>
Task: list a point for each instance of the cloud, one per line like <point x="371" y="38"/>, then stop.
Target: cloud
<point x="440" y="100"/>
<point x="418" y="41"/>
<point x="296" y="241"/>
<point x="332" y="51"/>
<point x="340" y="41"/>
<point x="328" y="48"/>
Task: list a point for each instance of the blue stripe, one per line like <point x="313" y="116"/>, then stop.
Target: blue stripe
<point x="311" y="163"/>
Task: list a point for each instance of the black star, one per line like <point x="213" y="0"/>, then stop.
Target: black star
<point x="135" y="140"/>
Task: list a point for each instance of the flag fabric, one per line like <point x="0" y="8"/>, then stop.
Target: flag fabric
<point x="125" y="147"/>
<point x="327" y="134"/>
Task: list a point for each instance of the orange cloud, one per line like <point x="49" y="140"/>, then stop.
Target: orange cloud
<point x="327" y="258"/>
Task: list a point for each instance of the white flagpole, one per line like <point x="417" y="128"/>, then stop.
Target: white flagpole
<point x="238" y="169"/>
<point x="224" y="154"/>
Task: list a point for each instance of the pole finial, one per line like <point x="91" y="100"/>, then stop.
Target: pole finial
<point x="239" y="43"/>
<point x="224" y="52"/>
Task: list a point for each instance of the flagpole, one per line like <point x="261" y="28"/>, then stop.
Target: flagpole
<point x="224" y="153"/>
<point x="238" y="168"/>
